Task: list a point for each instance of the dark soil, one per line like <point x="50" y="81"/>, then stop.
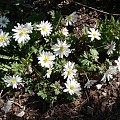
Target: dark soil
<point x="103" y="104"/>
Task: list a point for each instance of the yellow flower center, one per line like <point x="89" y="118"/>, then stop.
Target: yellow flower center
<point x="22" y="32"/>
<point x="69" y="72"/>
<point x="13" y="81"/>
<point x="94" y="34"/>
<point x="2" y="38"/>
<point x="46" y="59"/>
<point x="69" y="17"/>
<point x="44" y="28"/>
<point x="62" y="48"/>
<point x="72" y="87"/>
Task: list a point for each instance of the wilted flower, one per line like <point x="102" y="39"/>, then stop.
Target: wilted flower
<point x="21" y="33"/>
<point x="72" y="18"/>
<point x="45" y="28"/>
<point x="65" y="31"/>
<point x="13" y="81"/>
<point x="110" y="47"/>
<point x="109" y="73"/>
<point x="29" y="27"/>
<point x="72" y="87"/>
<point x="46" y="59"/>
<point x="61" y="48"/>
<point x="69" y="71"/>
<point x="118" y="63"/>
<point x="89" y="83"/>
<point x="94" y="34"/>
<point x="3" y="21"/>
<point x="4" y="39"/>
<point x="99" y="86"/>
<point x="49" y="71"/>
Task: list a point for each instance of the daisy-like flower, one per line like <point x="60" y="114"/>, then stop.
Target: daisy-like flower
<point x="118" y="63"/>
<point x="65" y="31"/>
<point x="110" y="47"/>
<point x="46" y="59"/>
<point x="45" y="28"/>
<point x="61" y="48"/>
<point x="21" y="33"/>
<point x="94" y="34"/>
<point x="69" y="71"/>
<point x="13" y="81"/>
<point x="109" y="73"/>
<point x="49" y="71"/>
<point x="4" y="39"/>
<point x="29" y="27"/>
<point x="72" y="87"/>
<point x="72" y="18"/>
<point x="4" y="21"/>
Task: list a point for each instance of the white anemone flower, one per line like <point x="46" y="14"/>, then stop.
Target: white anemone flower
<point x="46" y="59"/>
<point x="110" y="47"/>
<point x="72" y="18"/>
<point x="45" y="28"/>
<point x="109" y="73"/>
<point x="65" y="31"/>
<point x="13" y="81"/>
<point x="4" y="39"/>
<point x="4" y="21"/>
<point x="29" y="27"/>
<point x="61" y="48"/>
<point x="118" y="63"/>
<point x="94" y="34"/>
<point x="69" y="71"/>
<point x="72" y="87"/>
<point x="21" y="33"/>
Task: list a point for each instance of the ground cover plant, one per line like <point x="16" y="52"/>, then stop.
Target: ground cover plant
<point x="42" y="55"/>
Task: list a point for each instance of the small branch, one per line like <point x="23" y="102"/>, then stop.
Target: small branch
<point x="18" y="104"/>
<point x="101" y="11"/>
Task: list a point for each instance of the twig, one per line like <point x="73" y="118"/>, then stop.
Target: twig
<point x="101" y="11"/>
<point x="17" y="104"/>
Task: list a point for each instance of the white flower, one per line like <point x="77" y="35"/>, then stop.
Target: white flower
<point x="4" y="39"/>
<point x="99" y="86"/>
<point x="69" y="71"/>
<point x="46" y="59"/>
<point x="65" y="31"/>
<point x="110" y="47"/>
<point x="45" y="28"/>
<point x="29" y="27"/>
<point x="109" y="73"/>
<point x="118" y="63"/>
<point x="3" y="21"/>
<point x="61" y="48"/>
<point x="94" y="34"/>
<point x="21" y="33"/>
<point x="72" y="87"/>
<point x="13" y="81"/>
<point x="49" y="71"/>
<point x="72" y="18"/>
